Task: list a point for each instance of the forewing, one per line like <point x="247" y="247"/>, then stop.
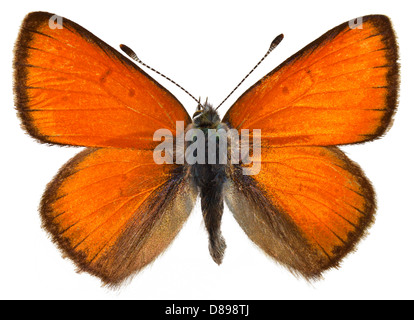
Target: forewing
<point x="340" y="89"/>
<point x="72" y="88"/>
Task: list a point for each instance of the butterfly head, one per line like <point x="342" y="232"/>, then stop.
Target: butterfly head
<point x="206" y="116"/>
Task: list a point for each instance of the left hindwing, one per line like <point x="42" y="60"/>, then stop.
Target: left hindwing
<point x="113" y="211"/>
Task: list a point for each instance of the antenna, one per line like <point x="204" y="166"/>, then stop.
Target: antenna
<point x="134" y="56"/>
<point x="273" y="45"/>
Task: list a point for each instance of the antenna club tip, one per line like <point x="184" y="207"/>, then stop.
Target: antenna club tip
<point x="129" y="52"/>
<point x="276" y="41"/>
<point x="125" y="48"/>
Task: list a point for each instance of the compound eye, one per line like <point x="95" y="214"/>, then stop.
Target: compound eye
<point x="197" y="113"/>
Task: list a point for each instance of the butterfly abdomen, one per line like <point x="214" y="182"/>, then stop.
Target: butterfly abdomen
<point x="212" y="207"/>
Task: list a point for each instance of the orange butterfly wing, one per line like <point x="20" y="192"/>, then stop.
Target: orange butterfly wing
<point x="307" y="207"/>
<point x="340" y="89"/>
<point x="111" y="210"/>
<point x="114" y="210"/>
<point x="310" y="204"/>
<point x="74" y="89"/>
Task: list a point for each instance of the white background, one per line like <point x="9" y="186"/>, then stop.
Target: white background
<point x="208" y="47"/>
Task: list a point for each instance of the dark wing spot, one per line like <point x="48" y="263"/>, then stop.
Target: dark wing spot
<point x="105" y="75"/>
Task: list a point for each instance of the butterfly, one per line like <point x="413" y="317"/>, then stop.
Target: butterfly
<point x="113" y="210"/>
